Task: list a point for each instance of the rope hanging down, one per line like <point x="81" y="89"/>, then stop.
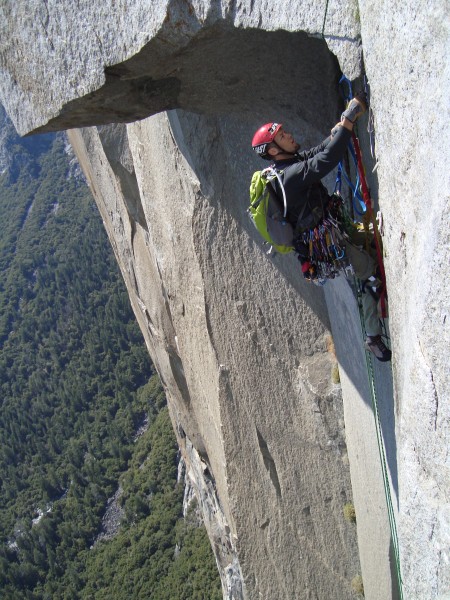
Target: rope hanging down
<point x="369" y="363"/>
<point x="382" y="453"/>
<point x="325" y="19"/>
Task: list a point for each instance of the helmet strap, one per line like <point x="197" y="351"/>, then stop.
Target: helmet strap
<point x="282" y="150"/>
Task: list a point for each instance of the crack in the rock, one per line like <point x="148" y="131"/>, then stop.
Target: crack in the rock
<point x="269" y="463"/>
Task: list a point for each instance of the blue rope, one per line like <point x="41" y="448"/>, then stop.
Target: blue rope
<point x="338" y="182"/>
<point x="356" y="196"/>
<point x="359" y="205"/>
<point x="348" y="83"/>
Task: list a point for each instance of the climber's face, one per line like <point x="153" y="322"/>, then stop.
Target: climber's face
<point x="286" y="141"/>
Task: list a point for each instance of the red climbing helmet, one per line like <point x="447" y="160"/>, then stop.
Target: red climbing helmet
<point x="263" y="137"/>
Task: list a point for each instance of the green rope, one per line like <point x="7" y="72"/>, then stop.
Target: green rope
<point x="325" y="19"/>
<point x="384" y="469"/>
<point x="381" y="450"/>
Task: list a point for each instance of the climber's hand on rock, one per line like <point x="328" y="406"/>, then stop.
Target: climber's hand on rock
<point x="361" y="97"/>
<point x="356" y="107"/>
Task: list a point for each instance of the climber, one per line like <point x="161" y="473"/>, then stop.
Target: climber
<point x="307" y="200"/>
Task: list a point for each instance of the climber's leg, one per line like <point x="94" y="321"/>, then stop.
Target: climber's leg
<point x="364" y="267"/>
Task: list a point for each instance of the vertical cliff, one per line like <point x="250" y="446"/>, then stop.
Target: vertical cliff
<point x="241" y="342"/>
<point x="257" y="415"/>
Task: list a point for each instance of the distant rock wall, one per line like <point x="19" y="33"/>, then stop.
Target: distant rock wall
<point x="239" y="340"/>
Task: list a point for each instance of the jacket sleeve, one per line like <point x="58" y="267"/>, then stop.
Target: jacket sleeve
<point x="307" y="154"/>
<point x="324" y="159"/>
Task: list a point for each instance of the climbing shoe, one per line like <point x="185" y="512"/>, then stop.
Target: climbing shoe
<point x="374" y="286"/>
<point x="375" y="344"/>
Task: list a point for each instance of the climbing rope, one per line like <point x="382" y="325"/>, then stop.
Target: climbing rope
<point x="325" y="19"/>
<point x="381" y="450"/>
<point x="369" y="358"/>
<point x="357" y="200"/>
<point x="369" y="216"/>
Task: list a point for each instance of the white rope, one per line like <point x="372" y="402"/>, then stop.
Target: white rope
<point x="274" y="173"/>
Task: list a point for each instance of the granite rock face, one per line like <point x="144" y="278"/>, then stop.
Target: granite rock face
<point x="241" y="343"/>
<point x="258" y="419"/>
<point x="414" y="190"/>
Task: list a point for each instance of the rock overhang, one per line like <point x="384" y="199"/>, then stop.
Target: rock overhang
<point x="220" y="72"/>
<point x="192" y="57"/>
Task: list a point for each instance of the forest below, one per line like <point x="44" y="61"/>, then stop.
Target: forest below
<point x="84" y="427"/>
